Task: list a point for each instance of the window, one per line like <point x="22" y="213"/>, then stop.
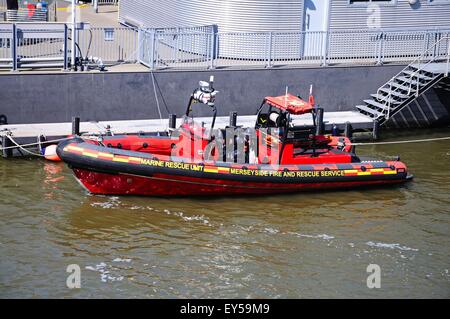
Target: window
<point x="109" y="34"/>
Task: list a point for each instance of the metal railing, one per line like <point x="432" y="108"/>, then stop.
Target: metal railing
<point x="33" y="45"/>
<point x="96" y="3"/>
<point x="107" y="2"/>
<point x="24" y="15"/>
<point x="46" y="11"/>
<point x="439" y="51"/>
<point x="172" y="48"/>
<point x="39" y="45"/>
<point x="112" y="45"/>
<point x="203" y="47"/>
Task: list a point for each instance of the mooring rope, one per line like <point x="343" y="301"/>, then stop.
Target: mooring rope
<point x="405" y="141"/>
<point x="21" y="147"/>
<point x="156" y="97"/>
<point x="31" y="144"/>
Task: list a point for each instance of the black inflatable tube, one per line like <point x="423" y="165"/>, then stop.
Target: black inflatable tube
<point x="110" y="167"/>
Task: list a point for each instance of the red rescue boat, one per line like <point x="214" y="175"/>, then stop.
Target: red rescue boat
<point x="273" y="157"/>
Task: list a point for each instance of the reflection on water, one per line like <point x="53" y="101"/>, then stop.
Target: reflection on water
<point x="303" y="245"/>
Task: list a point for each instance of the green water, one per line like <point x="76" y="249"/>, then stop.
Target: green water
<point x="296" y="246"/>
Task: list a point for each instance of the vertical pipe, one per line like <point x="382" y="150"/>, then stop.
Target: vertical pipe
<point x="75" y="125"/>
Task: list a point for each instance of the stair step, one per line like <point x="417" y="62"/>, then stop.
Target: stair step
<point x="394" y="93"/>
<point x="376" y="104"/>
<point x="408" y="80"/>
<point x="403" y="87"/>
<point x="415" y="68"/>
<point x="373" y="113"/>
<point x="385" y="98"/>
<point x="416" y="74"/>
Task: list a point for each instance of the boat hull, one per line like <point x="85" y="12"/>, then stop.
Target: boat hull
<point x="111" y="171"/>
<point x="167" y="185"/>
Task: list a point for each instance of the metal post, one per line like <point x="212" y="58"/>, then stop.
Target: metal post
<point x="74" y="28"/>
<point x="269" y="53"/>
<point x="55" y="11"/>
<point x="376" y="130"/>
<point x="139" y="46"/>
<point x="380" y="50"/>
<point x="448" y="57"/>
<point x="334" y="130"/>
<point x="14" y="47"/>
<point x="6" y="143"/>
<point x="233" y="118"/>
<point x="172" y="121"/>
<point x="152" y="54"/>
<point x="212" y="47"/>
<point x="348" y="131"/>
<point x="66" y="35"/>
<point x="96" y="6"/>
<point x="325" y="51"/>
<point x="75" y="125"/>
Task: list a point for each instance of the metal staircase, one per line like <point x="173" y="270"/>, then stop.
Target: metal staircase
<point x="411" y="82"/>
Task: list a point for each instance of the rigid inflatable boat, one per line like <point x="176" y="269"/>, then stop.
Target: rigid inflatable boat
<point x="273" y="157"/>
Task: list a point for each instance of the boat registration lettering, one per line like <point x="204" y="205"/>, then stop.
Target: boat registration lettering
<point x="332" y="173"/>
<point x="175" y="165"/>
<point x="252" y="172"/>
<point x="152" y="162"/>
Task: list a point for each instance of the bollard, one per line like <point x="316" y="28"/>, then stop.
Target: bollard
<point x="41" y="142"/>
<point x="348" y="130"/>
<point x="319" y="121"/>
<point x="6" y="142"/>
<point x="75" y="125"/>
<point x="233" y="119"/>
<point x="108" y="130"/>
<point x="335" y="130"/>
<point x="376" y="130"/>
<point x="3" y="119"/>
<point x="172" y="121"/>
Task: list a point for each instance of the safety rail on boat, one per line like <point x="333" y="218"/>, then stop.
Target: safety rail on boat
<point x="418" y="65"/>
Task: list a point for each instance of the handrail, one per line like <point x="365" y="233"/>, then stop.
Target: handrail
<point x="418" y="60"/>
